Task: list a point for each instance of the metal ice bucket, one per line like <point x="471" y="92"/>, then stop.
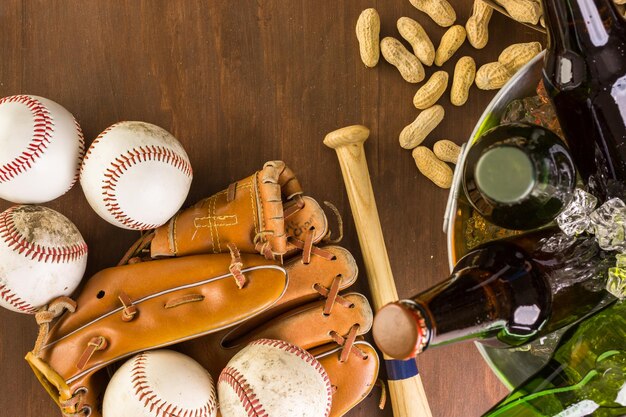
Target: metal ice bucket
<point x="465" y="229"/>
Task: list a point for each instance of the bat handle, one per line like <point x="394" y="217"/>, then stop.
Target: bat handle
<point x="407" y="395"/>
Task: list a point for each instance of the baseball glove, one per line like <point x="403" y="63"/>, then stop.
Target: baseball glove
<point x="211" y="305"/>
<point x="250" y="214"/>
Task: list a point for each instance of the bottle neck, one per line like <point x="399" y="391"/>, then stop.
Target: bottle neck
<point x="519" y="176"/>
<point x="580" y="25"/>
<point x="495" y="294"/>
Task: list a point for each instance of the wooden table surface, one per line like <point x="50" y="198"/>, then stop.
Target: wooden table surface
<point x="240" y="83"/>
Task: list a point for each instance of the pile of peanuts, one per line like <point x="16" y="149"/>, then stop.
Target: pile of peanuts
<point x="490" y="76"/>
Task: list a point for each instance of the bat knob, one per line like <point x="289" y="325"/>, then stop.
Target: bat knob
<point x="350" y="135"/>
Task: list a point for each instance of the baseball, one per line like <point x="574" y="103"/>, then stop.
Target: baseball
<point x="136" y="175"/>
<point x="275" y="379"/>
<point x="42" y="256"/>
<point x="160" y="383"/>
<point x="41" y="146"/>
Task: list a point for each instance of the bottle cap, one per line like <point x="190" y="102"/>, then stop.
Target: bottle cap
<point x="505" y="174"/>
<point x="400" y="331"/>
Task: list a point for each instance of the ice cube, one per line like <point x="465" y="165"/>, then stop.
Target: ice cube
<point x="608" y="223"/>
<point x="616" y="283"/>
<point x="574" y="219"/>
<point x="557" y="243"/>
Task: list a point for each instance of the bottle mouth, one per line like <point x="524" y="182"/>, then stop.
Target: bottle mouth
<point x="505" y="174"/>
<point x="398" y="331"/>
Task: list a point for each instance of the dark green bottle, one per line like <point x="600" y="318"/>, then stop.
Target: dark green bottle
<point x="519" y="176"/>
<point x="586" y="376"/>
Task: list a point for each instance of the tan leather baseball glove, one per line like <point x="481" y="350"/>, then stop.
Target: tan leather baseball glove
<point x="211" y="305"/>
<point x="249" y="214"/>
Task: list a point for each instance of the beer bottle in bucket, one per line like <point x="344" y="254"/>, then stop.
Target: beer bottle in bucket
<point x="519" y="176"/>
<point x="585" y="75"/>
<point x="504" y="293"/>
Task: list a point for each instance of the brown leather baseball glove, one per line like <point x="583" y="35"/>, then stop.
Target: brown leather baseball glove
<point x="211" y="305"/>
<point x="250" y="214"/>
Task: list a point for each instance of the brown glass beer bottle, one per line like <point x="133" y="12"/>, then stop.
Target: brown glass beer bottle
<point x="585" y="75"/>
<point x="504" y="293"/>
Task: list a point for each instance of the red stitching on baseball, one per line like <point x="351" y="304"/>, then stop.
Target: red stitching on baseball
<point x="81" y="154"/>
<point x="151" y="400"/>
<point x="43" y="126"/>
<point x="14" y="239"/>
<point x="307" y="357"/>
<point x="95" y="141"/>
<point x="122" y="163"/>
<point x="8" y="296"/>
<point x="242" y="389"/>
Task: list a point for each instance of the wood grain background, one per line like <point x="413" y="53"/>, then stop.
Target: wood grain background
<point x="239" y="83"/>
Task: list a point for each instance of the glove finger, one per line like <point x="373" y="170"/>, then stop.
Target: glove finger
<point x="306" y="283"/>
<point x="248" y="214"/>
<point x="304" y="216"/>
<point x="353" y="379"/>
<point x="308" y="326"/>
<point x="197" y="287"/>
<point x="310" y="282"/>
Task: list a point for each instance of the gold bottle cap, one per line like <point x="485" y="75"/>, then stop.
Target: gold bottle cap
<point x="400" y="331"/>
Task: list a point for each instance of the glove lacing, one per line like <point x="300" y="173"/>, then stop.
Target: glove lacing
<point x="45" y="316"/>
<point x="133" y="253"/>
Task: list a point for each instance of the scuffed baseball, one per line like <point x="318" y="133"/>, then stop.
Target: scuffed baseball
<point x="136" y="175"/>
<point x="41" y="146"/>
<point x="274" y="378"/>
<point x="160" y="383"/>
<point x="42" y="256"/>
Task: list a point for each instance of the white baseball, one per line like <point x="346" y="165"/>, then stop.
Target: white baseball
<point x="42" y="256"/>
<point x="41" y="146"/>
<point x="136" y="175"/>
<point x="273" y="378"/>
<point x="160" y="383"/>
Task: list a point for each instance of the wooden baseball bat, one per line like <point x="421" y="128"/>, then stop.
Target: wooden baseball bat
<point x="408" y="398"/>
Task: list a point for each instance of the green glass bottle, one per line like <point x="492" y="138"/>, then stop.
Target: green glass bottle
<point x="519" y="176"/>
<point x="586" y="375"/>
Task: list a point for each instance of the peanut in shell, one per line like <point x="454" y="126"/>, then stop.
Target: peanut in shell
<point x="441" y="11"/>
<point x="450" y="43"/>
<point x="415" y="34"/>
<point x="464" y="74"/>
<point x="477" y="26"/>
<point x="517" y="55"/>
<point x="397" y="55"/>
<point x="415" y="133"/>
<point x="367" y="33"/>
<point x="447" y="151"/>
<point x="431" y="91"/>
<point x="492" y="76"/>
<point x="432" y="168"/>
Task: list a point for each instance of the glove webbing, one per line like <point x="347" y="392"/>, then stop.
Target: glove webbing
<point x="137" y="247"/>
